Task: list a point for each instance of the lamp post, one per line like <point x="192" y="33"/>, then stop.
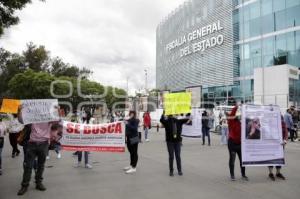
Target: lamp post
<point x="146" y="81"/>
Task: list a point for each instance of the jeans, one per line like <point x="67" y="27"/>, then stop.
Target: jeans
<point x="34" y="150"/>
<point x="13" y="139"/>
<point x="146" y="133"/>
<point x="234" y="149"/>
<point x="133" y="150"/>
<point x="174" y="148"/>
<point x="292" y="134"/>
<point x="1" y="158"/>
<point x="86" y="156"/>
<point x="224" y="137"/>
<point x="205" y="132"/>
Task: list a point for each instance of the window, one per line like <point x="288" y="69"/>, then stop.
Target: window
<point x="268" y="23"/>
<point x="292" y="3"/>
<point x="255" y="49"/>
<point x="293" y="16"/>
<point x="266" y="6"/>
<point x="280" y="43"/>
<point x="278" y="5"/>
<point x="280" y="21"/>
<point x="298" y="40"/>
<point x="291" y="41"/>
<point x="255" y="27"/>
<point x="254" y="10"/>
<point x="268" y="46"/>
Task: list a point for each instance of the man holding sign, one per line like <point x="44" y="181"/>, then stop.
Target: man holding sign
<point x="39" y="115"/>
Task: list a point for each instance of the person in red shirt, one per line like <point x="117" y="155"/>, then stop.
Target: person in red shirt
<point x="147" y="124"/>
<point x="234" y="141"/>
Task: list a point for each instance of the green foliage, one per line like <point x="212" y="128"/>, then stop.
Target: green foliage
<point x="7" y="12"/>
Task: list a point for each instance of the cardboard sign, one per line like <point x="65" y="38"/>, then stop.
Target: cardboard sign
<point x="10" y="106"/>
<point x="39" y="111"/>
<point x="177" y="103"/>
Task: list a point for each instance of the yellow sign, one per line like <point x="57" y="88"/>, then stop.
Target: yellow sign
<point x="10" y="106"/>
<point x="177" y="103"/>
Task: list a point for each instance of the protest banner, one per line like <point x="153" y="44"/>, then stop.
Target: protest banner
<point x="10" y="106"/>
<point x="262" y="136"/>
<point x="177" y="103"/>
<point x="88" y="137"/>
<point x="193" y="130"/>
<point x="39" y="111"/>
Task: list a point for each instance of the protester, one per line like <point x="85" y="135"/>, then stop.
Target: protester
<point x="205" y="128"/>
<point x="37" y="146"/>
<point x="147" y="124"/>
<point x="289" y="123"/>
<point x="278" y="168"/>
<point x="173" y="128"/>
<point x="2" y="134"/>
<point x="86" y="153"/>
<point x="132" y="138"/>
<point x="15" y="127"/>
<point x="234" y="141"/>
<point x="56" y="135"/>
<point x="224" y="131"/>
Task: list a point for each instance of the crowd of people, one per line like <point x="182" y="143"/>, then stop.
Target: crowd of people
<point x="37" y="139"/>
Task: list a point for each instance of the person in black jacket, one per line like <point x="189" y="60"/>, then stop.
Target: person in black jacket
<point x="132" y="137"/>
<point x="205" y="128"/>
<point x="173" y="128"/>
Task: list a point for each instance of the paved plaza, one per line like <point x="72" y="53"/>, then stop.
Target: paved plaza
<point x="205" y="176"/>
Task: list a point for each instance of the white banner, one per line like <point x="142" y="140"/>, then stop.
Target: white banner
<point x="87" y="137"/>
<point x="195" y="129"/>
<point x="39" y="111"/>
<point x="262" y="136"/>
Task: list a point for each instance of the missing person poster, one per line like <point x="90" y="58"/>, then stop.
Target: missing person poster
<point x="177" y="103"/>
<point x="39" y="111"/>
<point x="262" y="136"/>
<point x="87" y="137"/>
<point x="193" y="129"/>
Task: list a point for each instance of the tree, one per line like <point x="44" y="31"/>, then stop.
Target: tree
<point x="36" y="58"/>
<point x="7" y="12"/>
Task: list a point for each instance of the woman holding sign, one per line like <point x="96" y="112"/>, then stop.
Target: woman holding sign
<point x="234" y="141"/>
<point x="132" y="137"/>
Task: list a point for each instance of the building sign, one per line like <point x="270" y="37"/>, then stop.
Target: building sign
<point x="198" y="34"/>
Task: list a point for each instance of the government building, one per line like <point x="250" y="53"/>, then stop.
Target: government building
<point x="246" y="49"/>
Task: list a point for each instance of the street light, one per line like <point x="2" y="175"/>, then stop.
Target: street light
<point x="146" y="81"/>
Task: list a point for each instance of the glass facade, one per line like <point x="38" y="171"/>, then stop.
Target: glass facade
<point x="264" y="33"/>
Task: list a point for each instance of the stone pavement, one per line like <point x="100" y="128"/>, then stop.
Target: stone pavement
<point x="205" y="176"/>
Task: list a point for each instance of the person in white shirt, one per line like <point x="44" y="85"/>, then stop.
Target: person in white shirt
<point x="15" y="127"/>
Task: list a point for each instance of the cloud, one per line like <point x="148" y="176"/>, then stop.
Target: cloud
<point x="114" y="38"/>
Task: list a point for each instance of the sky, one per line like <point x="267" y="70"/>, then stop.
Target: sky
<point x="114" y="38"/>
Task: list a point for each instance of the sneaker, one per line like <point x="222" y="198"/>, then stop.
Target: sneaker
<point x="18" y="153"/>
<point x="88" y="166"/>
<point x="22" y="191"/>
<point x="171" y="174"/>
<point x="147" y="140"/>
<point x="48" y="157"/>
<point x="40" y="187"/>
<point x="13" y="155"/>
<point x="131" y="171"/>
<point x="127" y="168"/>
<point x="77" y="165"/>
<point x="280" y="176"/>
<point x="59" y="156"/>
<point x="180" y="173"/>
<point x="245" y="178"/>
<point x="232" y="178"/>
<point x="272" y="177"/>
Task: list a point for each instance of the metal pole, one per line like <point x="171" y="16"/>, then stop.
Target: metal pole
<point x="146" y="81"/>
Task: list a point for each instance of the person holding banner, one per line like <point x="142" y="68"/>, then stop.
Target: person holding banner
<point x="173" y="128"/>
<point x="234" y="141"/>
<point x="15" y="127"/>
<point x="132" y="137"/>
<point x="278" y="168"/>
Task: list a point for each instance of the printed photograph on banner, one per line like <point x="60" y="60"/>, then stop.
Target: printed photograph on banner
<point x="262" y="136"/>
